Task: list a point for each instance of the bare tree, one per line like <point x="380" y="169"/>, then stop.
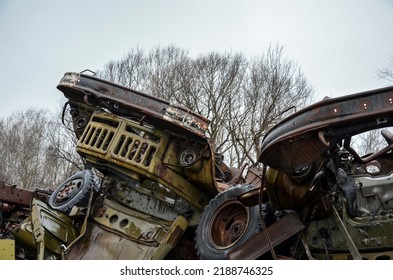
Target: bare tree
<point x="164" y="66"/>
<point x="21" y="148"/>
<point x="368" y="142"/>
<point x="386" y="73"/>
<point x="241" y="97"/>
<point x="3" y="174"/>
<point x="130" y="71"/>
<point x="372" y="141"/>
<point x="220" y="79"/>
<point x="61" y="157"/>
<point x="274" y="85"/>
<point x="35" y="149"/>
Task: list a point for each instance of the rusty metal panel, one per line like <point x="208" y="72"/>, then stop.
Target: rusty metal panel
<point x="301" y="138"/>
<point x="14" y="195"/>
<point x="258" y="245"/>
<point x="127" y="102"/>
<point x="100" y="244"/>
<point x="254" y="176"/>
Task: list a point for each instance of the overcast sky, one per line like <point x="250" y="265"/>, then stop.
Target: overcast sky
<point x="338" y="44"/>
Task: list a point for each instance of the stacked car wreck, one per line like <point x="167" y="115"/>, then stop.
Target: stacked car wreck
<point x="157" y="171"/>
<point x="154" y="188"/>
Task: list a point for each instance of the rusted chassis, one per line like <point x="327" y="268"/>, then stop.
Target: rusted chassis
<point x="305" y="140"/>
<point x="15" y="207"/>
<point x="142" y="143"/>
<point x="11" y="196"/>
<point x="301" y="138"/>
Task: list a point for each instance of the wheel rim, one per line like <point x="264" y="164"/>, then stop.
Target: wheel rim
<point x="68" y="191"/>
<point x="228" y="224"/>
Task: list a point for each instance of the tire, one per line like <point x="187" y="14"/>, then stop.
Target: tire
<point x="225" y="224"/>
<point x="73" y="191"/>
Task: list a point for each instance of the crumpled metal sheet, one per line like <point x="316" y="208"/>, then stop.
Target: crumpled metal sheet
<point x="301" y="138"/>
<point x="106" y="245"/>
<point x="127" y="102"/>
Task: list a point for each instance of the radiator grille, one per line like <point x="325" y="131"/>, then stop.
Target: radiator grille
<point x="97" y="136"/>
<point x="134" y="149"/>
<point x="117" y="139"/>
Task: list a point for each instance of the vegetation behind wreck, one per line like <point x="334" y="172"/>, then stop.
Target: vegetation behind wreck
<point x="154" y="173"/>
<point x="242" y="98"/>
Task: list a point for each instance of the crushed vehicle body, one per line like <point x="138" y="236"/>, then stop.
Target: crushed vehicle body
<point x="150" y="171"/>
<point x="154" y="188"/>
<point x="319" y="198"/>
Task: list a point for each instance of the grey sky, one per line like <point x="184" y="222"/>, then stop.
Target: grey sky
<point x="338" y="44"/>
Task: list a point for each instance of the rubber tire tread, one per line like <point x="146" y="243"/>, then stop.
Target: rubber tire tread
<point x="81" y="197"/>
<point x="205" y="249"/>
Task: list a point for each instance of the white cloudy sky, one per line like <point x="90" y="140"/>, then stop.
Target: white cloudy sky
<point x="339" y="44"/>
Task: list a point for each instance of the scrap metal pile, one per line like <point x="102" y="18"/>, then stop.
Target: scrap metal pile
<point x="154" y="188"/>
